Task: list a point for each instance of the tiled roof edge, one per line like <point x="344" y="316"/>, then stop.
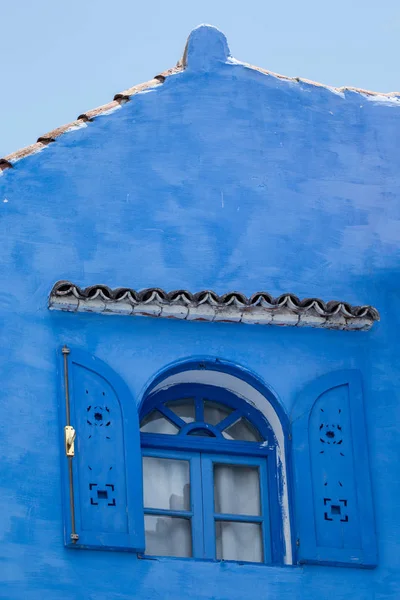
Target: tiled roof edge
<point x="260" y="308"/>
<point x="122" y="97"/>
<point x="339" y="90"/>
<point x="119" y="99"/>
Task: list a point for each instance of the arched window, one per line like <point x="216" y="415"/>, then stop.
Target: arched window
<point x="216" y="466"/>
<point x="210" y="477"/>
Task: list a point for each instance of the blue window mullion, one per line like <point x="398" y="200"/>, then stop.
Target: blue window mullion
<point x="265" y="510"/>
<point x="185" y="514"/>
<point x="199" y="407"/>
<point x="273" y="520"/>
<point x="229" y="420"/>
<point x="208" y="506"/>
<point x="237" y="518"/>
<point x="171" y="416"/>
<point x="196" y="506"/>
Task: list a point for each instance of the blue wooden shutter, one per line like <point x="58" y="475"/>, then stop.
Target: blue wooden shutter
<point x="334" y="512"/>
<point x="103" y="488"/>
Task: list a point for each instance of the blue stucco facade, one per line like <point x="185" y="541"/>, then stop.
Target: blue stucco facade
<point x="223" y="178"/>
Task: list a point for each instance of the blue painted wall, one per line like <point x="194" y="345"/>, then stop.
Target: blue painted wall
<point x="223" y="178"/>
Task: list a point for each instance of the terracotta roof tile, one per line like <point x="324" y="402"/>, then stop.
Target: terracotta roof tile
<point x="163" y="76"/>
<point x="136" y="89"/>
<point x="55" y="133"/>
<point x="95" y="112"/>
<point x="7" y="162"/>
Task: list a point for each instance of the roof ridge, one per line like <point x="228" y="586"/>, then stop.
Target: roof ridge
<point x="83" y="118"/>
<point x="340" y="89"/>
<point x="123" y="97"/>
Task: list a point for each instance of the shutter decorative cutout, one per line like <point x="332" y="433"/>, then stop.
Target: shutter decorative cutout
<point x="335" y="521"/>
<point x="102" y="457"/>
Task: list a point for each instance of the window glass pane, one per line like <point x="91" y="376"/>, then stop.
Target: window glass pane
<point x="166" y="483"/>
<point x="236" y="489"/>
<point x="214" y="413"/>
<point x="168" y="536"/>
<point x="155" y="422"/>
<point x="239" y="541"/>
<point x="242" y="430"/>
<point x="183" y="408"/>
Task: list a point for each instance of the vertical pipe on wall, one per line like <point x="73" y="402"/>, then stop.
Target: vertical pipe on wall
<point x="74" y="535"/>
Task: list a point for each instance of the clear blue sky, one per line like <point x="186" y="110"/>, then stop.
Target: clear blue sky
<point x="62" y="57"/>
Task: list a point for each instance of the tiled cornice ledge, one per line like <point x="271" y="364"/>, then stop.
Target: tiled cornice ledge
<point x="260" y="308"/>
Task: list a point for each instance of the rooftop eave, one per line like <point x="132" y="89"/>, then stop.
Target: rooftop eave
<point x="260" y="309"/>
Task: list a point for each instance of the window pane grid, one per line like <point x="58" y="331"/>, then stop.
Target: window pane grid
<point x="169" y="513"/>
<point x="203" y="532"/>
<point x="222" y="511"/>
<point x="230" y="422"/>
<point x="238" y="518"/>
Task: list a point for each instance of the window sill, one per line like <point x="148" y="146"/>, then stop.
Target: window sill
<point x="226" y="563"/>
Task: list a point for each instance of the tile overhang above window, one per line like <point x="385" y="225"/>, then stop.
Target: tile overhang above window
<point x="260" y="309"/>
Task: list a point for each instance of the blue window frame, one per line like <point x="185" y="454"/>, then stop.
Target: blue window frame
<point x="210" y="480"/>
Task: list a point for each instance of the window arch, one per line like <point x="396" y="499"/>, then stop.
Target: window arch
<point x="210" y="476"/>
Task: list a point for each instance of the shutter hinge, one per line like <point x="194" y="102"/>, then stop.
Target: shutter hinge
<point x="298" y="542"/>
<point x="69" y="438"/>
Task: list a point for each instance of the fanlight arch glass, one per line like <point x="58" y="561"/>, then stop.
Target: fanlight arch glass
<point x="209" y="468"/>
<point x="199" y="414"/>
